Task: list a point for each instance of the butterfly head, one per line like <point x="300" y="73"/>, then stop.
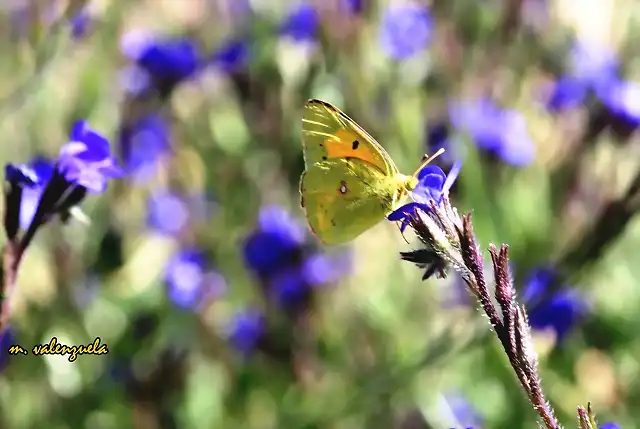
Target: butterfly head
<point x="409" y="183"/>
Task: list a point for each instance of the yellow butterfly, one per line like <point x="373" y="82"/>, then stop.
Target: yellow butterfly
<point x="350" y="182"/>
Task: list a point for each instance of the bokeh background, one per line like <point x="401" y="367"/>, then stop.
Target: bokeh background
<point x="197" y="270"/>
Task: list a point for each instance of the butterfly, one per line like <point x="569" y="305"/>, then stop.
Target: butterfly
<point x="350" y="182"/>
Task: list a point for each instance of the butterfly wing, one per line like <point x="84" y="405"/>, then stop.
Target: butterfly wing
<point x="328" y="133"/>
<point x="343" y="198"/>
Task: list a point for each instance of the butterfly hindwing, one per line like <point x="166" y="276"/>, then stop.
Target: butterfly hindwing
<point x="343" y="198"/>
<point x="328" y="133"/>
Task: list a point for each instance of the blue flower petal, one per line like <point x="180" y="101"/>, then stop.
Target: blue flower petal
<point x="592" y="63"/>
<point x="437" y="136"/>
<point x="302" y="23"/>
<point x="430" y="181"/>
<point x="80" y="23"/>
<point x="267" y="253"/>
<point x="558" y="310"/>
<point x="231" y="56"/>
<point x="275" y="220"/>
<point x="275" y="243"/>
<point x="174" y="59"/>
<point x="288" y="287"/>
<point x="320" y="269"/>
<point x="405" y="213"/>
<point x="610" y="425"/>
<point x="432" y="185"/>
<point x="20" y="175"/>
<point x="499" y="131"/>
<point x="144" y="144"/>
<point x="166" y="61"/>
<point x="167" y="213"/>
<point x="454" y="172"/>
<point x="246" y="329"/>
<point x="86" y="160"/>
<point x="567" y="92"/>
<point x="406" y="29"/>
<point x="7" y="339"/>
<point x="622" y="99"/>
<point x="184" y="276"/>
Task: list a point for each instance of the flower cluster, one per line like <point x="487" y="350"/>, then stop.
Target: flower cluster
<point x="38" y="192"/>
<point x="594" y="72"/>
<point x="500" y="132"/>
<point x="550" y="304"/>
<point x="189" y="276"/>
<point x="190" y="280"/>
<point x="288" y="267"/>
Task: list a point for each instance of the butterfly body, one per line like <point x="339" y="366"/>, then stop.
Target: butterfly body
<point x="350" y="182"/>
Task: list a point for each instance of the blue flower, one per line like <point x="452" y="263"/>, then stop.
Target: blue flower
<point x="291" y="286"/>
<point x="301" y="24"/>
<point x="7" y="339"/>
<point x="558" y="310"/>
<point x="406" y="29"/>
<point x="41" y="169"/>
<point x="246" y="330"/>
<point x="84" y="164"/>
<point x="276" y="242"/>
<point x="594" y="69"/>
<point x="591" y="63"/>
<point x="144" y="143"/>
<point x="432" y="185"/>
<point x="80" y="23"/>
<point x="437" y="135"/>
<point x="456" y="407"/>
<point x="231" y="56"/>
<point x="167" y="212"/>
<point x="621" y="99"/>
<point x="21" y="175"/>
<point x="288" y="288"/>
<point x="591" y="68"/>
<point x="320" y="268"/>
<point x="166" y="62"/>
<point x="567" y="92"/>
<point x="86" y="160"/>
<point x="495" y="130"/>
<point x="188" y="282"/>
<point x="610" y="425"/>
<point x="288" y="266"/>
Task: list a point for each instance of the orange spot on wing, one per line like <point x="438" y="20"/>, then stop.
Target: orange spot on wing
<point x="343" y="148"/>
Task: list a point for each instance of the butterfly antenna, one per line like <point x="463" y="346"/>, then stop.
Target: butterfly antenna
<point x="429" y="159"/>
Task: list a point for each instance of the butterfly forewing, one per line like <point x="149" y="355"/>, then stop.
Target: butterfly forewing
<point x="328" y="133"/>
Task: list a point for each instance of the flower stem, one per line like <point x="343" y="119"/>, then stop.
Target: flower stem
<point x="11" y="256"/>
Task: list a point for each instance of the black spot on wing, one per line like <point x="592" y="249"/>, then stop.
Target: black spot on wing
<point x="343" y="187"/>
<point x="333" y="222"/>
<point x="355" y="144"/>
<point x="324" y="158"/>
